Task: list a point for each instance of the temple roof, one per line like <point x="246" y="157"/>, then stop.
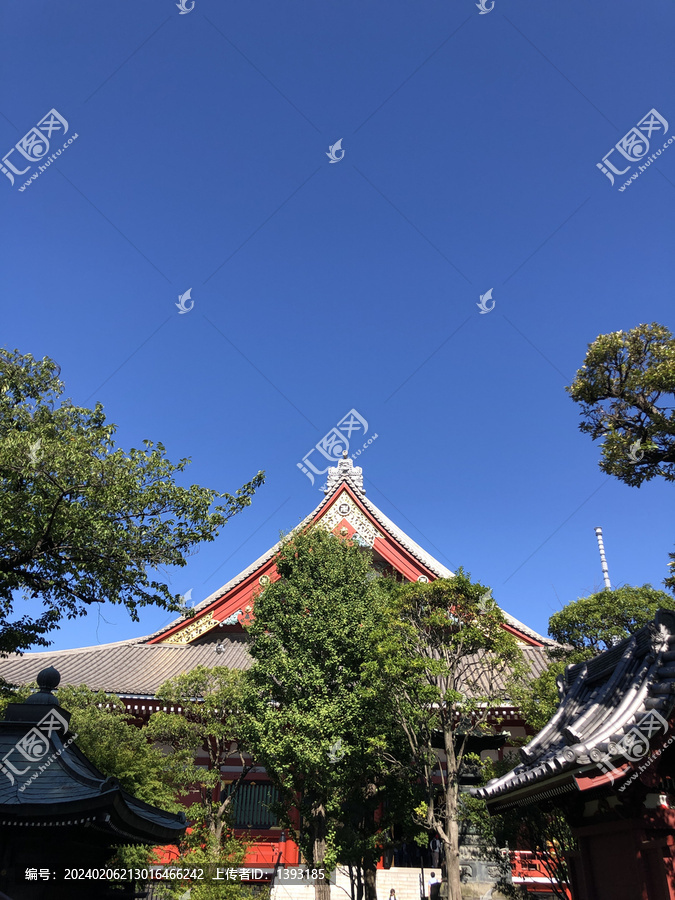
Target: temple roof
<point x="137" y="667"/>
<point x="614" y="710"/>
<point x="136" y="670"/>
<point x="344" y="509"/>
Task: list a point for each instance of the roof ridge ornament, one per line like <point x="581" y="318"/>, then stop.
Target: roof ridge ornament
<point x="48" y="679"/>
<point x="345" y="471"/>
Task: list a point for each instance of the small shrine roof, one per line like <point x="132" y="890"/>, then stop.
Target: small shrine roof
<point x="613" y="710"/>
<point x="46" y="780"/>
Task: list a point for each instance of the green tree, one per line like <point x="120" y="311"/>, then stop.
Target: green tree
<point x="596" y="623"/>
<point x="315" y="719"/>
<point x="376" y="790"/>
<point x="81" y="520"/>
<point x="447" y="657"/>
<point x="210" y="721"/>
<point x="626" y="389"/>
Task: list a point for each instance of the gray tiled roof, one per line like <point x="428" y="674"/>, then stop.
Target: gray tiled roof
<point x="126" y="667"/>
<point x="485" y="679"/>
<point x="628" y="690"/>
<point x="137" y="670"/>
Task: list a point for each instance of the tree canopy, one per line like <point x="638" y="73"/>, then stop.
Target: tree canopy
<point x="83" y="521"/>
<point x="210" y="720"/>
<point x="626" y="389"/>
<point x="316" y="719"/>
<point x="598" y="622"/>
<point x="448" y="660"/>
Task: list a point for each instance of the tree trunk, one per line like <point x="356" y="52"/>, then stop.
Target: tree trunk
<point x="451" y="846"/>
<point x="351" y="881"/>
<point x="370" y="881"/>
<point x="321" y="886"/>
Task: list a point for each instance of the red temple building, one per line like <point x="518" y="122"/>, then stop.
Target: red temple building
<point x="134" y="669"/>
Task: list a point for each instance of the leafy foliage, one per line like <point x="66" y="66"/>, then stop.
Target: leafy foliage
<point x="319" y="723"/>
<point x="210" y="720"/>
<point x="598" y="622"/>
<point x="539" y="698"/>
<point x="447" y="657"/>
<point x="584" y="628"/>
<point x="83" y="521"/>
<point x="230" y="854"/>
<point x="625" y="389"/>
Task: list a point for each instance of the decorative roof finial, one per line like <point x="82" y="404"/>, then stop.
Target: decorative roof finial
<point x="345" y="471"/>
<point x="47" y="680"/>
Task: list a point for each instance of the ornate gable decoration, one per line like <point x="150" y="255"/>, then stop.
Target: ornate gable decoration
<point x="346" y="471"/>
<point x="193" y="630"/>
<point x="345" y="508"/>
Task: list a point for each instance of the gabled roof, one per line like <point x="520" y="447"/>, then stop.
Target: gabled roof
<point x="345" y="509"/>
<point x="137" y="667"/>
<point x="614" y="710"/>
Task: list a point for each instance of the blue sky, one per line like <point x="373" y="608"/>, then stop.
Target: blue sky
<point x="470" y="149"/>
